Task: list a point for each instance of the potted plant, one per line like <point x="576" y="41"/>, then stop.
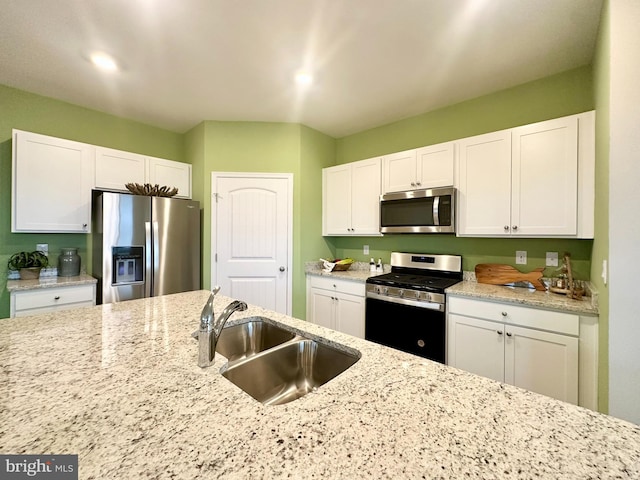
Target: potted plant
<point x="28" y="264"/>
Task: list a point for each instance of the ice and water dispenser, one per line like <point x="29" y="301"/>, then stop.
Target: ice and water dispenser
<point x="128" y="265"/>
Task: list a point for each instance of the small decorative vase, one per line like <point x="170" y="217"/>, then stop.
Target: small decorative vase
<point x="30" y="273"/>
<point x="69" y="263"/>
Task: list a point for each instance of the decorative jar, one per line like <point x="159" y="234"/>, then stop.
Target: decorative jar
<point x="69" y="263"/>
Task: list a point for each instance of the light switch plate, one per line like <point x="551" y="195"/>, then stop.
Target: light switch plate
<point x="521" y="257"/>
<point x="43" y="247"/>
<point x="365" y="249"/>
<point x="552" y="259"/>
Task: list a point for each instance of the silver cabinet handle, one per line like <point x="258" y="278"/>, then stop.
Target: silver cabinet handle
<point x="57" y="297"/>
<point x="515" y="227"/>
<point x="504" y="314"/>
<point x="508" y="334"/>
<point x="499" y="332"/>
<point x="506" y="228"/>
<point x="282" y="269"/>
<point x="418" y="184"/>
<point x="413" y="184"/>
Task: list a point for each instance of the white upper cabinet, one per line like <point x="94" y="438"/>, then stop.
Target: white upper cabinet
<point x="425" y="167"/>
<point x="115" y="168"/>
<point x="484" y="184"/>
<point x="51" y="184"/>
<point x="530" y="181"/>
<point x="171" y="174"/>
<point x="351" y="198"/>
<point x="399" y="172"/>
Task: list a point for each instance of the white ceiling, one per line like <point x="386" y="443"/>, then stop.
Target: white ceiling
<point x="374" y="61"/>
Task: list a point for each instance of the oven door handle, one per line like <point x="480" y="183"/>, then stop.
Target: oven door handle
<point x="405" y="301"/>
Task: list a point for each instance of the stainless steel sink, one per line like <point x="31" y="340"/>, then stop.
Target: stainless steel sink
<point x="288" y="371"/>
<point x="247" y="339"/>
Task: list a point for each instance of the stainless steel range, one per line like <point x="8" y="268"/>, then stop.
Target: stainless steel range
<point x="405" y="309"/>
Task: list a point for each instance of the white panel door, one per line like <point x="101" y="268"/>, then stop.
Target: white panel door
<point x="336" y="200"/>
<point x="435" y="165"/>
<point x="115" y="168"/>
<point x="321" y="308"/>
<point x="476" y="346"/>
<point x="365" y="197"/>
<point x="545" y="178"/>
<point x="251" y="238"/>
<point x="542" y="362"/>
<point x="484" y="186"/>
<point x="171" y="174"/>
<point x="350" y="314"/>
<point x="51" y="184"/>
<point x="399" y="172"/>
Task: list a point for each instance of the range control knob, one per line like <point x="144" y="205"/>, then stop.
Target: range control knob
<point x="401" y="293"/>
<point x="385" y="290"/>
<point x="418" y="295"/>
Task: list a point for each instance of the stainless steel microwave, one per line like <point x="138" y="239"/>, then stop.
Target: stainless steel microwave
<point x="430" y="210"/>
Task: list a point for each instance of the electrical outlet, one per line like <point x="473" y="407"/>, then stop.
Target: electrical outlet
<point x="521" y="257"/>
<point x="365" y="249"/>
<point x="43" y="247"/>
<point x="552" y="259"/>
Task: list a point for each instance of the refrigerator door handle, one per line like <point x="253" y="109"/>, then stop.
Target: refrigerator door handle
<point x="148" y="287"/>
<point x="156" y="258"/>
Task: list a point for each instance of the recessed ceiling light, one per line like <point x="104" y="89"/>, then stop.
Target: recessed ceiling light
<point x="104" y="62"/>
<point x="303" y="78"/>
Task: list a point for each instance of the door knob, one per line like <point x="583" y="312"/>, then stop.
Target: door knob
<point x="282" y="269"/>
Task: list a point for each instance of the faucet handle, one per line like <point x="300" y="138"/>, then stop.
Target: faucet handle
<point x="215" y="290"/>
<point x="207" y="316"/>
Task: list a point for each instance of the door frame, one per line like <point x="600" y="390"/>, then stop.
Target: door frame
<point x="214" y="224"/>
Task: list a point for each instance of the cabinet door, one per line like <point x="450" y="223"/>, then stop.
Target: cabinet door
<point x="171" y="174"/>
<point x="484" y="185"/>
<point x="365" y="197"/>
<point x="350" y="315"/>
<point x="322" y="307"/>
<point x="476" y="346"/>
<point x="51" y="184"/>
<point x="336" y="200"/>
<point x="399" y="172"/>
<point x="542" y="362"/>
<point x="435" y="165"/>
<point x="115" y="168"/>
<point x="545" y="178"/>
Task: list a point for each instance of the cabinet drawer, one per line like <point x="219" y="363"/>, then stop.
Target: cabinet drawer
<point x="53" y="297"/>
<point x="344" y="286"/>
<point x="560" y="322"/>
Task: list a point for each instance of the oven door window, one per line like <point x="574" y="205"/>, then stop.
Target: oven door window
<point x="420" y="331"/>
<point x="416" y="212"/>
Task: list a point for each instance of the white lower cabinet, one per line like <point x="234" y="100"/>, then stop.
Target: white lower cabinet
<point x="526" y="347"/>
<point x="336" y="304"/>
<point x="43" y="300"/>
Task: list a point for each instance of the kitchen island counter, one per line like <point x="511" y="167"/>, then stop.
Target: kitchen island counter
<point x="119" y="385"/>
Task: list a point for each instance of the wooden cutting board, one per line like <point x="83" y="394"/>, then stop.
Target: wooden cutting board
<point x="500" y="274"/>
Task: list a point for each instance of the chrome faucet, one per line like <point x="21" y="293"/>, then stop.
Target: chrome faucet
<point x="210" y="329"/>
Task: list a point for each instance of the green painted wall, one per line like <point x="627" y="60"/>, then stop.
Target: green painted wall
<point x="272" y="148"/>
<point x="34" y="113"/>
<point x="601" y="240"/>
<point x="563" y="94"/>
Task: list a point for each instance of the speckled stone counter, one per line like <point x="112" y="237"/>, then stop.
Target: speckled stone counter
<point x="359" y="272"/>
<point x="524" y="296"/>
<point x="49" y="282"/>
<point x="119" y="386"/>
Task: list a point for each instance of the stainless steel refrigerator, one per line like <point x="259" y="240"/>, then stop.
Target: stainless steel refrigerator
<point x="144" y="246"/>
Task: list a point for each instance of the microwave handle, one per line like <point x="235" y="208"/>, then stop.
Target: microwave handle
<point x="436" y="213"/>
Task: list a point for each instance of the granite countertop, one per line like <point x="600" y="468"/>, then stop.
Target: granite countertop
<point x="523" y="296"/>
<point x="49" y="282"/>
<point x="119" y="385"/>
<point x="470" y="288"/>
